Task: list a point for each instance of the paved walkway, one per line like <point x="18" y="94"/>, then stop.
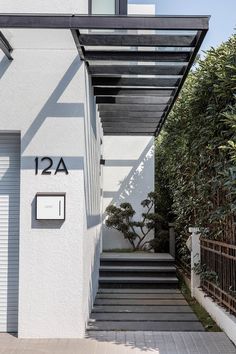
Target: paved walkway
<point x="123" y="343"/>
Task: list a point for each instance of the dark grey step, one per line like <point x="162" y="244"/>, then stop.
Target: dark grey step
<point x="113" y="316"/>
<point x="139" y="291"/>
<point x="138" y="302"/>
<point x="143" y="309"/>
<point x="136" y="262"/>
<point x="137" y="256"/>
<point x="136" y="259"/>
<point x="137" y="285"/>
<point x="137" y="271"/>
<point x="139" y="282"/>
<point x="145" y="326"/>
<point x="139" y="296"/>
<point x="139" y="268"/>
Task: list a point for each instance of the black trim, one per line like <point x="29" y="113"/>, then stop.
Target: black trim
<point x="123" y="7"/>
<point x="191" y="23"/>
<point x="5" y="46"/>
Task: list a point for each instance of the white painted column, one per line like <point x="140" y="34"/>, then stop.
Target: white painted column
<point x="195" y="257"/>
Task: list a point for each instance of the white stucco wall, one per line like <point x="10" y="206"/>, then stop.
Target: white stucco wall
<point x="44" y="6"/>
<point x="92" y="199"/>
<point x="44" y="94"/>
<point x="129" y="168"/>
<point x="128" y="177"/>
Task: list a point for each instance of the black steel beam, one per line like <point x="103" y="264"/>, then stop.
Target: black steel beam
<point x="108" y="91"/>
<point x="132" y="120"/>
<point x="5" y="46"/>
<point x="137" y="69"/>
<point x="128" y="133"/>
<point x="123" y="7"/>
<point x="136" y="81"/>
<point x="129" y="125"/>
<point x="73" y="21"/>
<point x="76" y="34"/>
<point x="129" y="114"/>
<point x="133" y="100"/>
<point x="138" y="40"/>
<point x="138" y="55"/>
<point x="130" y="107"/>
<point x="117" y="129"/>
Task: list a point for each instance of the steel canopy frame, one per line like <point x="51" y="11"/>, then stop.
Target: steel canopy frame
<point x="137" y="70"/>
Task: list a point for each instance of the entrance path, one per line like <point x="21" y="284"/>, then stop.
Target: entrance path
<point x="123" y="343"/>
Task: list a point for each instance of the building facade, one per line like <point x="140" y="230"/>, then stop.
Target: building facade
<point x="51" y="142"/>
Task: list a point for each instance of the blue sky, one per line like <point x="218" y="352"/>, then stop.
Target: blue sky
<point x="223" y="15"/>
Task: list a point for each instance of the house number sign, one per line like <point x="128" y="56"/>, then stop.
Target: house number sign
<point x="47" y="163"/>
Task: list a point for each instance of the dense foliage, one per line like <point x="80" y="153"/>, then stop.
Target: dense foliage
<point x="196" y="152"/>
<point x="136" y="232"/>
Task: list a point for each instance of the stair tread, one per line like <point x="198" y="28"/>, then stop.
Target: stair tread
<point x="136" y="302"/>
<point x="146" y="326"/>
<point x="139" y="296"/>
<point x="138" y="291"/>
<point x="158" y="316"/>
<point x="143" y="309"/>
<point x="138" y="268"/>
<point x="138" y="279"/>
<point x="142" y="256"/>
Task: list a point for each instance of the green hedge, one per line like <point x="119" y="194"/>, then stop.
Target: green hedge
<point x="196" y="152"/>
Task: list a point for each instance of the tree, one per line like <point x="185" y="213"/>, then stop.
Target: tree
<point x="136" y="232"/>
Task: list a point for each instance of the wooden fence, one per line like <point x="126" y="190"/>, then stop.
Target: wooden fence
<point x="219" y="258"/>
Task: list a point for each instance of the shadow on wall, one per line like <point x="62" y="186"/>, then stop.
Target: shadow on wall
<point x="92" y="160"/>
<point x="4" y="65"/>
<point x="133" y="189"/>
<point x="53" y="108"/>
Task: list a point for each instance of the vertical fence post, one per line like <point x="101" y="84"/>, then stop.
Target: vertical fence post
<point x="195" y="257"/>
<point x="172" y="239"/>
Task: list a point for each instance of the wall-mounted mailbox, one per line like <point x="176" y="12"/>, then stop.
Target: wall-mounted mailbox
<point x="50" y="206"/>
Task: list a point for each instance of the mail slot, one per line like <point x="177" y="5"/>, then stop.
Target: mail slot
<point x="50" y="206"/>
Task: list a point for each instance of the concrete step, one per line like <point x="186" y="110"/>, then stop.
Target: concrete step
<point x="137" y="271"/>
<point x="143" y="309"/>
<point x="159" y="316"/>
<point x="139" y="291"/>
<point x="136" y="259"/>
<point x="137" y="302"/>
<point x="144" y="296"/>
<point x="133" y="262"/>
<point x="139" y="282"/>
<point x="145" y="326"/>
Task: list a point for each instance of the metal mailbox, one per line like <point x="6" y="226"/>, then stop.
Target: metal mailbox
<point x="50" y="206"/>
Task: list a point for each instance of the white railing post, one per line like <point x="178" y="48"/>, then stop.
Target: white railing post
<point x="172" y="239"/>
<point x="195" y="257"/>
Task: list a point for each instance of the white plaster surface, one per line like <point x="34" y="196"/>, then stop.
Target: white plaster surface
<point x="129" y="168"/>
<point x="128" y="177"/>
<point x="43" y="95"/>
<point x="44" y="6"/>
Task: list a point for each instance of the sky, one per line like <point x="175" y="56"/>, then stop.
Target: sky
<point x="223" y="15"/>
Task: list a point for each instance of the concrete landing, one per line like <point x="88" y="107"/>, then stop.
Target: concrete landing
<point x="123" y="343"/>
<point x="148" y="310"/>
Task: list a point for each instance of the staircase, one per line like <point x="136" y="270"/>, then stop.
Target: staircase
<point x="139" y="292"/>
<point x="137" y="270"/>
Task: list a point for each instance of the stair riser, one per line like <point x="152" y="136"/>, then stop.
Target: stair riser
<point x="138" y="285"/>
<point x="122" y="263"/>
<point x="110" y="273"/>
